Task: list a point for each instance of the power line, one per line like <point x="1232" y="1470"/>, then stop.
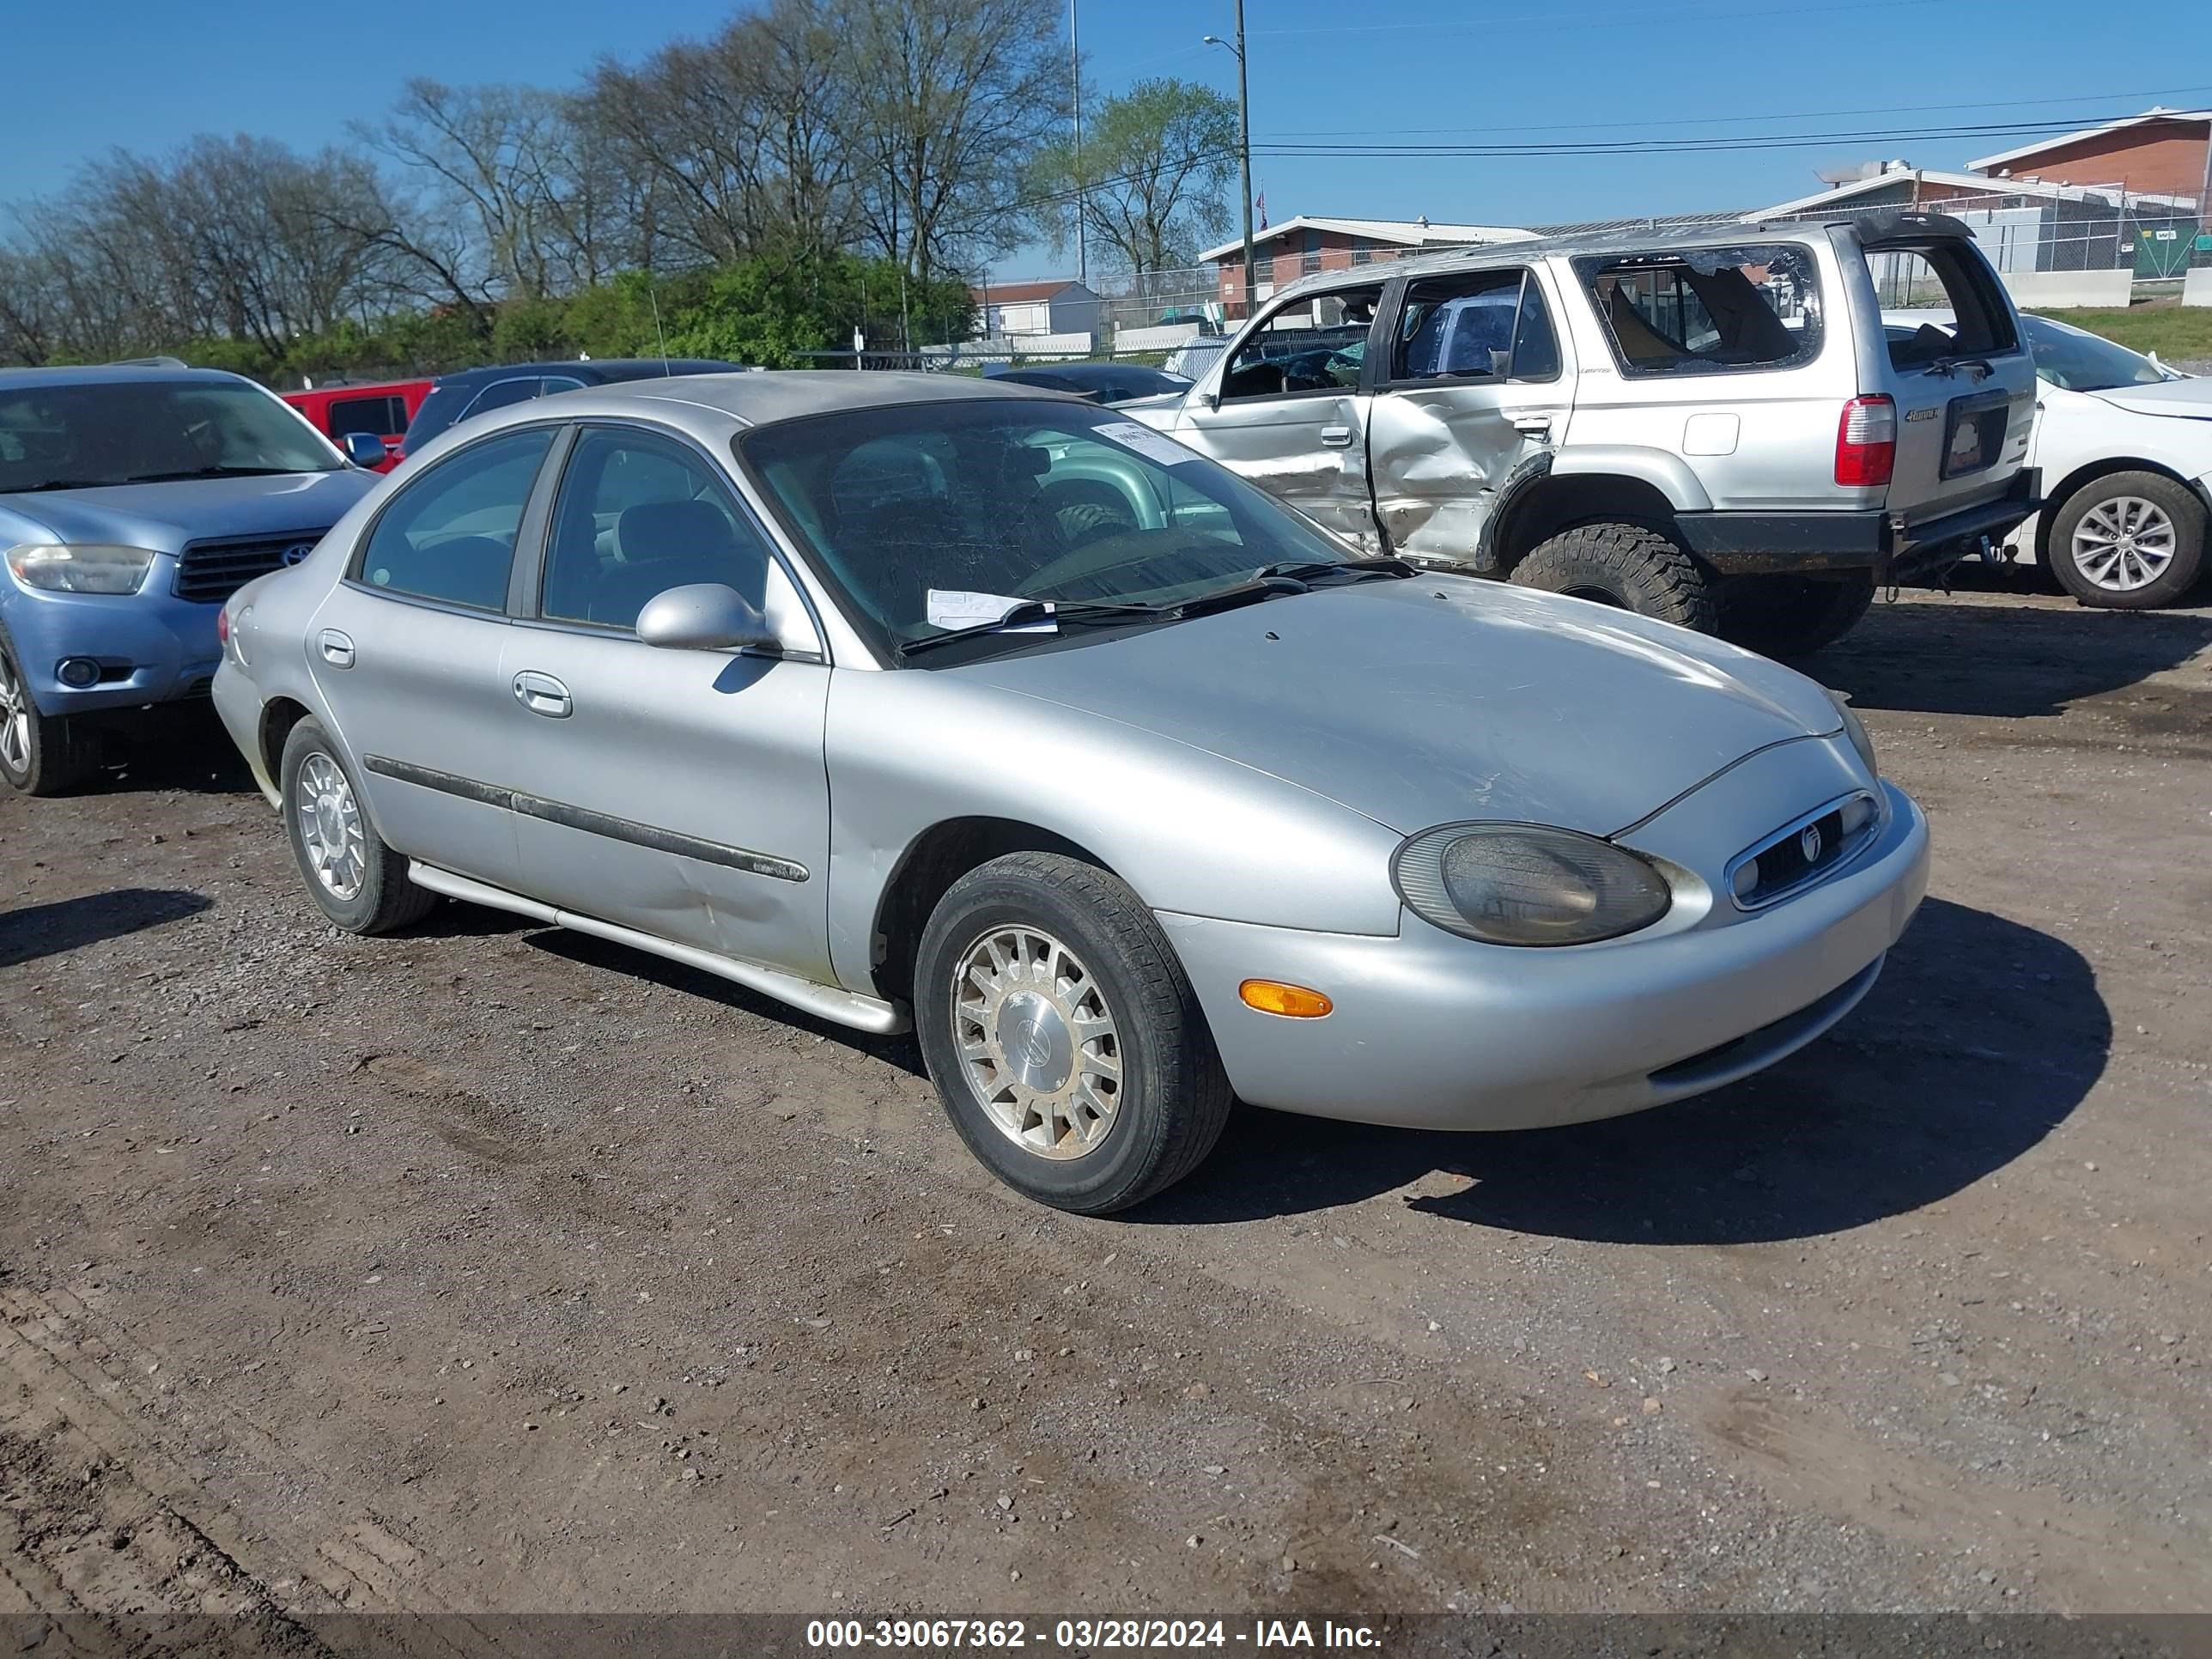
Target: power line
<point x="1706" y="144"/>
<point x="1585" y="20"/>
<point x="1776" y="115"/>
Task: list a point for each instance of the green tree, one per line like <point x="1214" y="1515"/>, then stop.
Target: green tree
<point x="1154" y="175"/>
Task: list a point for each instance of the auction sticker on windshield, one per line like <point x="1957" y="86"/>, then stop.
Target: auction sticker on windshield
<point x="1152" y="446"/>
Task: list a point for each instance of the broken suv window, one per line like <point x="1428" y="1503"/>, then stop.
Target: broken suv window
<point x="1917" y="283"/>
<point x="1714" y="310"/>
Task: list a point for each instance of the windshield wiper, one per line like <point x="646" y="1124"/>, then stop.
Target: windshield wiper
<point x="220" y="473"/>
<point x="60" y="484"/>
<point x="1026" y="614"/>
<point x="1313" y="572"/>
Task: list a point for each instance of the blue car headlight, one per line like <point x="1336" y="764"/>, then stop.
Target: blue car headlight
<point x="1523" y="883"/>
<point x="89" y="569"/>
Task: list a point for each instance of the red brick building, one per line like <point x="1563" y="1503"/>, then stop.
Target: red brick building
<point x="2161" y="153"/>
<point x="1303" y="245"/>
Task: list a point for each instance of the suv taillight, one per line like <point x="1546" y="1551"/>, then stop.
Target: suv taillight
<point x="1866" y="441"/>
<point x="222" y="626"/>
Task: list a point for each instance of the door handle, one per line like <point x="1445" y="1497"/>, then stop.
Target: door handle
<point x="1337" y="437"/>
<point x="1536" y="426"/>
<point x="338" y="649"/>
<point x="541" y="694"/>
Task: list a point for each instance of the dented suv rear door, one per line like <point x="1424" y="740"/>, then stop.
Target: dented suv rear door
<point x="1470" y="383"/>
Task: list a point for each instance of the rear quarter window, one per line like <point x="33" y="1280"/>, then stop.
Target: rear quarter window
<point x="1707" y="311"/>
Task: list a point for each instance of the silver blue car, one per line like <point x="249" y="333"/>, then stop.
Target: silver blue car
<point x="914" y="699"/>
<point x="134" y="500"/>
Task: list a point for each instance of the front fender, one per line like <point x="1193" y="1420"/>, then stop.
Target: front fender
<point x="1189" y="831"/>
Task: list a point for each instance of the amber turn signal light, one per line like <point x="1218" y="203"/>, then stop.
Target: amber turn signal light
<point x="1271" y="996"/>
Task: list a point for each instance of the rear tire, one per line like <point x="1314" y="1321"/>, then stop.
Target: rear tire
<point x="1790" y="617"/>
<point x="1626" y="565"/>
<point x="40" y="754"/>
<point x="354" y="879"/>
<point x="1043" y="989"/>
<point x="2111" y="531"/>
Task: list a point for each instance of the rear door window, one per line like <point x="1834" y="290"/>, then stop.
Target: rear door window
<point x="1708" y="311"/>
<point x="449" y="535"/>
<point x="1940" y="275"/>
<point x="1490" y="325"/>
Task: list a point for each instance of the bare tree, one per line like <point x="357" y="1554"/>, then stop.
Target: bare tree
<point x="950" y="102"/>
<point x="739" y="138"/>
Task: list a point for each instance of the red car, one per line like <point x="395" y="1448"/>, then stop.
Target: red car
<point x="382" y="410"/>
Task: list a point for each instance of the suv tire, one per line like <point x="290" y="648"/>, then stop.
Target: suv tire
<point x="1107" y="964"/>
<point x="365" y="890"/>
<point x="1624" y="565"/>
<point x="2172" y="513"/>
<point x="1793" y="616"/>
<point x="40" y="754"/>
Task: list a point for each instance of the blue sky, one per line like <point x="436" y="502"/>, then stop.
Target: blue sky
<point x="145" y="75"/>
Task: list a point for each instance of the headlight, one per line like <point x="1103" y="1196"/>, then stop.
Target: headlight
<point x="1855" y="729"/>
<point x="88" y="569"/>
<point x="1520" y="884"/>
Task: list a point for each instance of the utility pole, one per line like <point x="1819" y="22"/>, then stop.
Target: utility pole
<point x="1075" y="74"/>
<point x="1244" y="145"/>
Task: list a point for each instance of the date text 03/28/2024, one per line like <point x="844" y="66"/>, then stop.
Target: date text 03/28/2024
<point x="1086" y="1635"/>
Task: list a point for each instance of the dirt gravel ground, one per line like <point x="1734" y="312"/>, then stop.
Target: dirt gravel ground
<point x="488" y="1268"/>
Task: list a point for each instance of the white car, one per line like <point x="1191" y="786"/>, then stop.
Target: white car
<point x="2124" y="445"/>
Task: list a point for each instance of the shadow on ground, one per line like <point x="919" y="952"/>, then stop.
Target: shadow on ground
<point x="180" y="746"/>
<point x="1980" y="1036"/>
<point x="48" y="930"/>
<point x="2034" y="657"/>
<point x="899" y="1051"/>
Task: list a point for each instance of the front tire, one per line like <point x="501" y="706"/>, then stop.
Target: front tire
<point x="1790" y="617"/>
<point x="354" y="879"/>
<point x="40" y="754"/>
<point x="2129" y="541"/>
<point x="1624" y="565"/>
<point x="1063" y="1035"/>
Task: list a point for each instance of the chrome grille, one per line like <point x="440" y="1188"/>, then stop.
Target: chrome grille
<point x="214" y="570"/>
<point x="1804" y="851"/>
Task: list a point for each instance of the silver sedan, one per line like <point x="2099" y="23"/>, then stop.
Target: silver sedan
<point x="908" y="699"/>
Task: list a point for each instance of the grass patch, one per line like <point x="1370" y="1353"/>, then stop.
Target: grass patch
<point x="2177" y="333"/>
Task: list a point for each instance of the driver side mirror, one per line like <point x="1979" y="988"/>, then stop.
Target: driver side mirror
<point x="364" y="449"/>
<point x="703" y="616"/>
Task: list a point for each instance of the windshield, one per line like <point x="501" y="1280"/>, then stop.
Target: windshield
<point x="2084" y="362"/>
<point x="1014" y="500"/>
<point x="120" y="432"/>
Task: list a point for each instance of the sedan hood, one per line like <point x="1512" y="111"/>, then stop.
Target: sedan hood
<point x="166" y="516"/>
<point x="2191" y="397"/>
<point x="1423" y="702"/>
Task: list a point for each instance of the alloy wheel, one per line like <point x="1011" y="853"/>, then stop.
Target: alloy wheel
<point x="2124" y="543"/>
<point x="330" y="827"/>
<point x="14" y="721"/>
<point x="1039" y="1042"/>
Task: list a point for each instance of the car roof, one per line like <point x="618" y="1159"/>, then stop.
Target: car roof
<point x="757" y="397"/>
<point x="1076" y="371"/>
<point x="614" y="367"/>
<point x="116" y="374"/>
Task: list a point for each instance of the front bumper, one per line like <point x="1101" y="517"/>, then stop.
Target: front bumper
<point x="151" y="645"/>
<point x="1434" y="1032"/>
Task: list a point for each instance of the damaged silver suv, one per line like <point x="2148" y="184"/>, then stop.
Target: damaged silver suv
<point x="1712" y="429"/>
